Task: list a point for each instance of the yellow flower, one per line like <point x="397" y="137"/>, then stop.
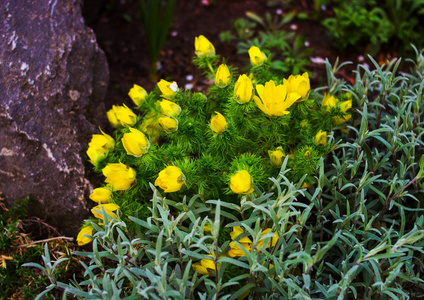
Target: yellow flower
<point x="170" y="179"/>
<point x="272" y="241"/>
<point x="135" y="142"/>
<point x="169" y="108"/>
<point x="167" y="88"/>
<point x="223" y="76"/>
<point x="121" y="116"/>
<point x="205" y="267"/>
<point x="274" y="100"/>
<point x="218" y="123"/>
<point x="109" y="209"/>
<point x="169" y="124"/>
<point x="99" y="145"/>
<point x="320" y="138"/>
<point x="203" y="47"/>
<point x="257" y="57"/>
<point x="329" y="101"/>
<point x="241" y="183"/>
<point x="298" y="84"/>
<point x="151" y="127"/>
<point x="276" y="157"/>
<point x="102" y="195"/>
<point x="207" y="228"/>
<point x="137" y="94"/>
<point x="245" y="242"/>
<point x="243" y="90"/>
<point x="119" y="177"/>
<point x="83" y="240"/>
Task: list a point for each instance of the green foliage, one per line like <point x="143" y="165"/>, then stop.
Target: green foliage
<point x="374" y="23"/>
<point x="358" y="232"/>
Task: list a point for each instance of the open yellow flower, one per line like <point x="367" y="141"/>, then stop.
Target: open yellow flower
<point x="137" y="94"/>
<point x="170" y="179"/>
<point x="274" y="100"/>
<point x="205" y="267"/>
<point x="169" y="108"/>
<point x="109" y="209"/>
<point x="329" y="102"/>
<point x="298" y="84"/>
<point x="169" y="124"/>
<point x="241" y="183"/>
<point x="102" y="195"/>
<point x="218" y="123"/>
<point x="276" y="156"/>
<point x="119" y="177"/>
<point x="257" y="57"/>
<point x="121" y="116"/>
<point x="135" y="142"/>
<point x="167" y="88"/>
<point x="223" y="76"/>
<point x="81" y="238"/>
<point x="245" y="242"/>
<point x="243" y="89"/>
<point x="203" y="47"/>
<point x="320" y="138"/>
<point x="271" y="242"/>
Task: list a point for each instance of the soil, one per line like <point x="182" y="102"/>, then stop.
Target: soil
<point x="119" y="32"/>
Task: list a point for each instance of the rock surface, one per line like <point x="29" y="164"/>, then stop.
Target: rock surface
<point x="53" y="78"/>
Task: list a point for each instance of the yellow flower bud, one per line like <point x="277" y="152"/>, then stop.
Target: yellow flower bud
<point x="205" y="267"/>
<point x="170" y="179"/>
<point x="169" y="108"/>
<point x="257" y="57"/>
<point x="272" y="241"/>
<point x="83" y="240"/>
<point x="344" y="107"/>
<point x="169" y="124"/>
<point x="109" y="209"/>
<point x="119" y="177"/>
<point x="298" y="84"/>
<point x="121" y="116"/>
<point x="98" y="147"/>
<point x="243" y="90"/>
<point x="329" y="101"/>
<point x="135" y="142"/>
<point x="276" y="157"/>
<point x="95" y="154"/>
<point x="320" y="138"/>
<point x="218" y="123"/>
<point x="137" y="94"/>
<point x="203" y="47"/>
<point x="167" y="88"/>
<point x="241" y="183"/>
<point x="274" y="100"/>
<point x="222" y="76"/>
<point x="151" y="127"/>
<point x="102" y="195"/>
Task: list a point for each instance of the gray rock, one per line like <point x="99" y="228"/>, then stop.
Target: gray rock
<point x="53" y="78"/>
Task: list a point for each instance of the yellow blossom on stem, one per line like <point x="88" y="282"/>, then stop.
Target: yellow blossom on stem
<point x="119" y="177"/>
<point x="137" y="94"/>
<point x="274" y="100"/>
<point x="102" y="195"/>
<point x="223" y="76"/>
<point x="169" y="124"/>
<point x="241" y="183"/>
<point x="203" y="47"/>
<point x="170" y="179"/>
<point x="257" y="57"/>
<point x="169" y="108"/>
<point x="271" y="241"/>
<point x="121" y="116"/>
<point x="243" y="89"/>
<point x="245" y="242"/>
<point x="298" y="84"/>
<point x="320" y="138"/>
<point x="205" y="267"/>
<point x="81" y="238"/>
<point x="98" y="147"/>
<point x="329" y="101"/>
<point x="218" y="123"/>
<point x="276" y="156"/>
<point x="167" y="88"/>
<point x="109" y="209"/>
<point x="135" y="142"/>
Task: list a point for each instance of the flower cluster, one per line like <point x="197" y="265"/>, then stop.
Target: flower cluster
<point x="224" y="143"/>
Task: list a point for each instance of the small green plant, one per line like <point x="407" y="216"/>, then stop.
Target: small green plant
<point x="156" y="16"/>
